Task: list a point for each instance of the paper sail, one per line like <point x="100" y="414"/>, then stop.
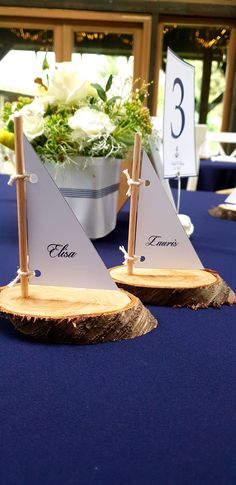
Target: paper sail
<point x="160" y="237"/>
<point x="231" y="199"/>
<point x="156" y="149"/>
<point x="59" y="250"/>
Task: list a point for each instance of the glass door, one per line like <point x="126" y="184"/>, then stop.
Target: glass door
<point x="101" y="48"/>
<point x="102" y="53"/>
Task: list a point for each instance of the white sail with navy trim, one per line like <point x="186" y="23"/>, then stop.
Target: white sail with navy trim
<point x="160" y="237"/>
<point x="59" y="250"/>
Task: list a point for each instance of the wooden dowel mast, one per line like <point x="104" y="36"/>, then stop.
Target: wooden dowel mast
<point x="134" y="201"/>
<point x="21" y="205"/>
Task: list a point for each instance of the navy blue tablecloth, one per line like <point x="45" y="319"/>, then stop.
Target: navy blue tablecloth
<point x="159" y="409"/>
<point x="216" y="175"/>
<point x="212" y="176"/>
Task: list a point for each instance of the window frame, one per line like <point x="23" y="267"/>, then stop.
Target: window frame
<point x="65" y="22"/>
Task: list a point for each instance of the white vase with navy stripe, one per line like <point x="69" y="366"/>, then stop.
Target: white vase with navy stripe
<point x="90" y="186"/>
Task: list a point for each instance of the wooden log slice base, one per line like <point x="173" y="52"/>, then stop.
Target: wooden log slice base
<point x="79" y="316"/>
<point x="175" y="287"/>
<point x="224" y="211"/>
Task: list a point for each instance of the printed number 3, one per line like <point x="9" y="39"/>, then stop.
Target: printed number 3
<point x="179" y="108"/>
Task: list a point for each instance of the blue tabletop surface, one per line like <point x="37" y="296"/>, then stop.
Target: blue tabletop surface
<point x="159" y="409"/>
<point x="212" y="176"/>
<point x="216" y="175"/>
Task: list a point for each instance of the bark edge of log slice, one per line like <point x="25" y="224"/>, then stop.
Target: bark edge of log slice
<point x="131" y="321"/>
<point x="215" y="293"/>
<point x="223" y="211"/>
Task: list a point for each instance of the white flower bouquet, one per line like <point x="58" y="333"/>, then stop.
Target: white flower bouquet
<point x="71" y="117"/>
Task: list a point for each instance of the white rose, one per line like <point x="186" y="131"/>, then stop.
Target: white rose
<point x="81" y="92"/>
<point x="66" y="86"/>
<point x="36" y="108"/>
<point x="90" y="122"/>
<point x="33" y="121"/>
<point x="33" y="125"/>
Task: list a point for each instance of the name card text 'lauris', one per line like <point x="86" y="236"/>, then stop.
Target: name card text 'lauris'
<point x="56" y="250"/>
<point x="157" y="241"/>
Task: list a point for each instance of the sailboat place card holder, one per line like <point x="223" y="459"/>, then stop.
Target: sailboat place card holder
<point x="227" y="210"/>
<point x="161" y="266"/>
<point x="71" y="297"/>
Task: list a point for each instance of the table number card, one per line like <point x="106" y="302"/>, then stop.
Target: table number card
<point x="178" y="130"/>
